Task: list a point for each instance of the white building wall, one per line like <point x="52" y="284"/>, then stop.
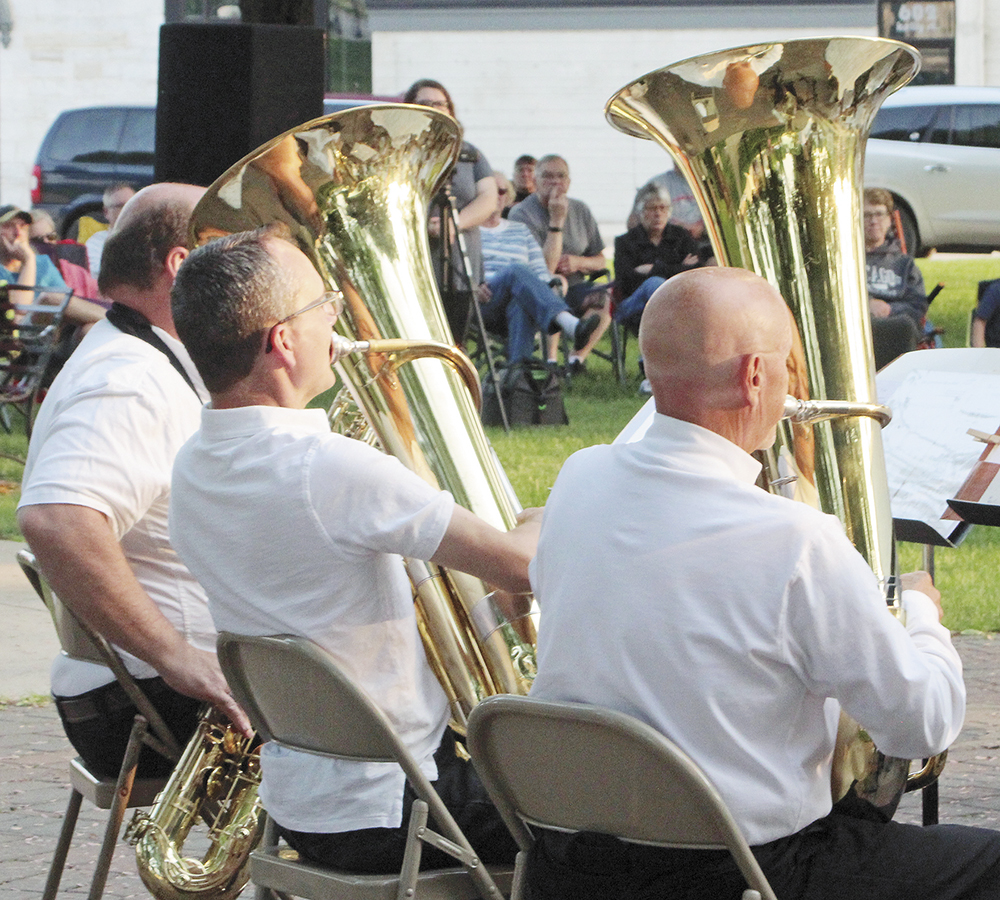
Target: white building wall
<point x="544" y="92"/>
<point x="64" y="54"/>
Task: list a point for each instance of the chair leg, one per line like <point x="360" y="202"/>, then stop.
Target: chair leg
<point x="62" y="847"/>
<point x="517" y="883"/>
<point x="123" y="789"/>
<point x="414" y="849"/>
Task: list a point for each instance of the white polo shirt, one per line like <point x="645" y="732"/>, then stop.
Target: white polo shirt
<point x="292" y="529"/>
<point x="105" y="438"/>
<point x="733" y="621"/>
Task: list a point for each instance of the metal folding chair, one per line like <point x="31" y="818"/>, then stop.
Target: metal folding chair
<point x="113" y="794"/>
<point x="296" y="695"/>
<point x="576" y="767"/>
<point x="29" y="335"/>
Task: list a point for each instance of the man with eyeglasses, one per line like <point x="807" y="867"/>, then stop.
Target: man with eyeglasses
<point x="294" y="529"/>
<point x="96" y="488"/>
<point x="896" y="292"/>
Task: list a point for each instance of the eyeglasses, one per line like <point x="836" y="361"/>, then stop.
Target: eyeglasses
<point x="434" y="104"/>
<point x="872" y="216"/>
<point x="336" y="298"/>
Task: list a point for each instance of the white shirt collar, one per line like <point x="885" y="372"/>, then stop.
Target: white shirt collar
<point x="697" y="449"/>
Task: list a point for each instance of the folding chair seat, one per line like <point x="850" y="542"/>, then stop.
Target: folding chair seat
<point x="113" y="794"/>
<point x="296" y="695"/>
<point x="575" y="767"/>
<point x="29" y="335"/>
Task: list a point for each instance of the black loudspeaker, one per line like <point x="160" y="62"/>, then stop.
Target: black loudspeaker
<point x="225" y="89"/>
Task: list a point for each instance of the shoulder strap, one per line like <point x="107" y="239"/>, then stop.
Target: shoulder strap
<point x="131" y="321"/>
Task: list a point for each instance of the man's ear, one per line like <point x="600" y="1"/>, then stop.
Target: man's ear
<point x="175" y="256"/>
<point x="751" y="377"/>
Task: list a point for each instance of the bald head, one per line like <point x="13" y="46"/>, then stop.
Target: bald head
<point x="714" y="342"/>
<point x="151" y="225"/>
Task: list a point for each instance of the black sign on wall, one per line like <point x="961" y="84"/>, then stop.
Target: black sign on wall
<point x="929" y="25"/>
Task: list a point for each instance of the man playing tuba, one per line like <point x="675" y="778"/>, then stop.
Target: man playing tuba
<point x="738" y="625"/>
<point x="297" y="530"/>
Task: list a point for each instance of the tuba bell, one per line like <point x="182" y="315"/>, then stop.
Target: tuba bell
<point x="352" y="192"/>
<point x="771" y="139"/>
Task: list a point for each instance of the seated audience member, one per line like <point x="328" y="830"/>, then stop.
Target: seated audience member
<point x="743" y="622"/>
<point x="571" y="242"/>
<point x="896" y="294"/>
<point x="517" y="296"/>
<point x="95" y="492"/>
<point x="986" y="319"/>
<point x="257" y="320"/>
<point x="69" y="256"/>
<point x="20" y="264"/>
<point x="115" y="198"/>
<point x="524" y="177"/>
<point x="684" y="210"/>
<point x="649" y="254"/>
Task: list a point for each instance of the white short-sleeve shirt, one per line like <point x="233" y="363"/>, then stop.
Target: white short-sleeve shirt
<point x="292" y="529"/>
<point x="105" y="438"/>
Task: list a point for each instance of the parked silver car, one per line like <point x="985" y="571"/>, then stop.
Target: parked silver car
<point x="937" y="149"/>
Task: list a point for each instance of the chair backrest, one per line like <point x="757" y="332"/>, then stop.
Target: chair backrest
<point x="81" y="643"/>
<point x="76" y="641"/>
<point x="295" y="694"/>
<point x="576" y="767"/>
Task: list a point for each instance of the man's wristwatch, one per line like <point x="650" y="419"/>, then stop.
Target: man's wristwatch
<point x="554" y="229"/>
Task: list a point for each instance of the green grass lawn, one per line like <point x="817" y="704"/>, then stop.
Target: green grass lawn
<point x="598" y="408"/>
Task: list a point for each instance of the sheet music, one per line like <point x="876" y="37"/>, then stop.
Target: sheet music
<point x="928" y="454"/>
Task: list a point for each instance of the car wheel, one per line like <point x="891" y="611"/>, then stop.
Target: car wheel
<point x="911" y="236"/>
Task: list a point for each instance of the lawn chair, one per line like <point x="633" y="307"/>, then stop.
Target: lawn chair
<point x="29" y="335"/>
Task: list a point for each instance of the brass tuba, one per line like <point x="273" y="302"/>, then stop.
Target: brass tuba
<point x="771" y="140"/>
<point x="353" y="191"/>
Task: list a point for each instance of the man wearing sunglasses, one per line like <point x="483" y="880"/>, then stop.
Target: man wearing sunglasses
<point x="294" y="529"/>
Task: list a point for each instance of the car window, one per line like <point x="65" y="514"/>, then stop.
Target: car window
<point x="977" y="126"/>
<point x="138" y="141"/>
<point x="905" y="123"/>
<point x="87" y="135"/>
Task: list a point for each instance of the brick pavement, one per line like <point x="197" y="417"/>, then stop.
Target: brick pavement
<point x="33" y="787"/>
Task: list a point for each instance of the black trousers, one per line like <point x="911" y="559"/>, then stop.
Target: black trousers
<point x="98" y="724"/>
<point x="848" y="855"/>
<point x="379" y="851"/>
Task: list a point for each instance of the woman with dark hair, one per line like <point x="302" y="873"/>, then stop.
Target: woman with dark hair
<point x="473" y="191"/>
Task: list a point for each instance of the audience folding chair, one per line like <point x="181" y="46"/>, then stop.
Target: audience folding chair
<point x="29" y="335"/>
<point x="113" y="794"/>
<point x="575" y="767"/>
<point x="296" y="695"/>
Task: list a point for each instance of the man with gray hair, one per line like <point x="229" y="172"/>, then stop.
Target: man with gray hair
<point x="568" y="234"/>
